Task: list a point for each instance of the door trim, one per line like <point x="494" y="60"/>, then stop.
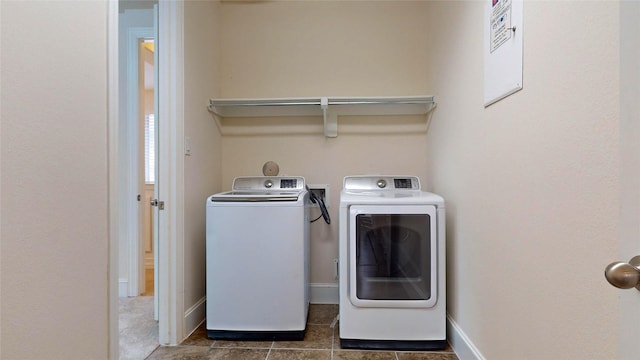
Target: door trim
<point x="170" y="89"/>
<point x="170" y="66"/>
<point x="112" y="151"/>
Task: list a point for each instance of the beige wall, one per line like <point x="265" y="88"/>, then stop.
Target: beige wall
<point x="54" y="180"/>
<point x="531" y="182"/>
<point x="324" y="48"/>
<point x="201" y="168"/>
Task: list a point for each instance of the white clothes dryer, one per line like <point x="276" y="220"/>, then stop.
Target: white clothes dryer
<point x="391" y="264"/>
<point x="257" y="251"/>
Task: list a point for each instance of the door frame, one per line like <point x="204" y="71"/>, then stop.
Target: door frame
<point x="113" y="267"/>
<point x="170" y="88"/>
<point x="170" y="228"/>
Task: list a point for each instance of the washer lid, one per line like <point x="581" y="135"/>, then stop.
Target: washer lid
<point x="256" y="196"/>
<point x="263" y="188"/>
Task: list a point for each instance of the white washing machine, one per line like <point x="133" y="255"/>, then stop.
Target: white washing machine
<point x="258" y="260"/>
<point x="392" y="264"/>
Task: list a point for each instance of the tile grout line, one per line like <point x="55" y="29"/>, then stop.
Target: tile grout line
<point x="269" y="352"/>
<point x="333" y="325"/>
<point x="333" y="339"/>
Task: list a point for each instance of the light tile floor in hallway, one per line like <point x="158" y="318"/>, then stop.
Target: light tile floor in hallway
<point x="321" y="342"/>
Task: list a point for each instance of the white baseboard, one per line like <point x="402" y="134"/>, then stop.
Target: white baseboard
<point x="324" y="293"/>
<point x="123" y="287"/>
<point x="460" y="342"/>
<point x="194" y="316"/>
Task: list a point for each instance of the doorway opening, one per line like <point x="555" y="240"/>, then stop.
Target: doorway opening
<point x="138" y="320"/>
<point x="138" y="323"/>
<point x="162" y="21"/>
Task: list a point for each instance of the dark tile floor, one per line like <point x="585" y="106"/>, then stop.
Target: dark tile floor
<point x="321" y="342"/>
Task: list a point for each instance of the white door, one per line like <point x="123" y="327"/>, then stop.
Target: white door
<point x="135" y="150"/>
<point x="629" y="242"/>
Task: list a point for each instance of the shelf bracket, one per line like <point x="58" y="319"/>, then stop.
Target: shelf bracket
<point x="330" y="120"/>
<point x="430" y="107"/>
<point x="211" y="107"/>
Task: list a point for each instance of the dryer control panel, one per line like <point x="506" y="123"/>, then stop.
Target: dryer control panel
<point x="380" y="182"/>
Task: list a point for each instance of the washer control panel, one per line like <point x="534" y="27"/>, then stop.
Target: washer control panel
<point x="271" y="183"/>
<point x="380" y="182"/>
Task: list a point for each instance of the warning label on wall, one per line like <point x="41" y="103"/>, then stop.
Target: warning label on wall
<point x="500" y="23"/>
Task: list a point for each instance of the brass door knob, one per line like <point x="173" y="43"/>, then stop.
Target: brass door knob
<point x="624" y="275"/>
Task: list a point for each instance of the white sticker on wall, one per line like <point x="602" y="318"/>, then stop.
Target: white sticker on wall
<point x="503" y="49"/>
<point x="500" y="23"/>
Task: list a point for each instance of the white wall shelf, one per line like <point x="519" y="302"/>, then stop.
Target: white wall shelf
<point x="327" y="107"/>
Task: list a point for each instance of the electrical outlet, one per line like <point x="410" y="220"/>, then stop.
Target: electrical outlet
<point x="321" y="191"/>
